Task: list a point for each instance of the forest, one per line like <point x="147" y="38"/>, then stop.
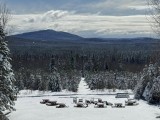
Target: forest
<point x="58" y="65"/>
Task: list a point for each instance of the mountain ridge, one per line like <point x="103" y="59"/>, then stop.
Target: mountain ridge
<point x="60" y="36"/>
<point x="47" y="35"/>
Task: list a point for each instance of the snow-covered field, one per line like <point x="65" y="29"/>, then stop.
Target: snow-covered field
<point x="29" y="108"/>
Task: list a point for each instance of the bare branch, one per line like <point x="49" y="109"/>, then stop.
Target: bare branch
<point x="154" y="11"/>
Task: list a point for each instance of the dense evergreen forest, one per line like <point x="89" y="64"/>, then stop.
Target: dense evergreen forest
<point x="57" y="65"/>
<point x="91" y="55"/>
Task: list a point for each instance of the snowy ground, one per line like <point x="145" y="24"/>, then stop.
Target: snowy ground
<point x="29" y="108"/>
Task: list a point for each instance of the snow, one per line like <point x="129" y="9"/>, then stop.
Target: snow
<point x="29" y="108"/>
<point x="1" y="57"/>
<point x="83" y="87"/>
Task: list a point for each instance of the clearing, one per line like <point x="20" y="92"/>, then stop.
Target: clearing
<point x="28" y="107"/>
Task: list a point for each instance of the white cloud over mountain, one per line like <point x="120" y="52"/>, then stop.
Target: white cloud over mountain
<point x="89" y="18"/>
<point x="87" y="25"/>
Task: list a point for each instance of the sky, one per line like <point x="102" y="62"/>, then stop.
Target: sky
<point x="87" y="18"/>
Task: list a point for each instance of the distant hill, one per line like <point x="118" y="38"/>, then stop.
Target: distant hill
<point x="47" y="35"/>
<point x="59" y="38"/>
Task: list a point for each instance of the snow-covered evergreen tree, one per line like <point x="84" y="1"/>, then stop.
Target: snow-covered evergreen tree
<point x="7" y="88"/>
<point x="145" y="78"/>
<point x="38" y="82"/>
<point x="19" y="81"/>
<point x="7" y="80"/>
<point x="132" y="82"/>
<point x="45" y="81"/>
<point x="148" y="86"/>
<point x="122" y="83"/>
<point x="32" y="80"/>
<point x="154" y="92"/>
<point x="73" y="79"/>
<point x="54" y="80"/>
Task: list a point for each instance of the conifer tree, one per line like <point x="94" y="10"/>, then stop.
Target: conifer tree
<point x="7" y="80"/>
<point x="54" y="80"/>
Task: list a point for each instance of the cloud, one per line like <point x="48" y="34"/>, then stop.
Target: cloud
<point x="114" y="4"/>
<point x="87" y="25"/>
<point x="118" y="8"/>
<point x="139" y="7"/>
<point x="49" y="16"/>
<point x="53" y="15"/>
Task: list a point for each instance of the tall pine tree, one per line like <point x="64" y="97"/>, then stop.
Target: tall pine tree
<point x="7" y="88"/>
<point x="54" y="80"/>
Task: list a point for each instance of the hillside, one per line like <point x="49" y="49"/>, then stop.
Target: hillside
<point x="47" y="35"/>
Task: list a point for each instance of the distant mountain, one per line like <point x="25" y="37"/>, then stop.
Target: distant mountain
<point x="47" y="35"/>
<point x="51" y="38"/>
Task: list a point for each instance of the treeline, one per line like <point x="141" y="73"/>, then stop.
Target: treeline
<point x="98" y="56"/>
<point x="43" y="81"/>
<point x="51" y="80"/>
<point x="132" y="61"/>
<point x="148" y="87"/>
<point x="105" y="66"/>
<point x="112" y="80"/>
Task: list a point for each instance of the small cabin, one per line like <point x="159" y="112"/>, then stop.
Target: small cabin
<point x="122" y="95"/>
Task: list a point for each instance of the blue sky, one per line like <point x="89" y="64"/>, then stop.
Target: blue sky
<point x="89" y="18"/>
